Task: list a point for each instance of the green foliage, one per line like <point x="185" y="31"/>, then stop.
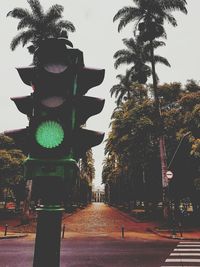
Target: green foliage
<point x="87" y="170"/>
<point x="196" y="148"/>
<point x="131" y="148"/>
<point x="6" y="142"/>
<point x="11" y="162"/>
<point x="192" y="86"/>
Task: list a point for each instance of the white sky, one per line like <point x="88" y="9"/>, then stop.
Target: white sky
<point x="97" y="36"/>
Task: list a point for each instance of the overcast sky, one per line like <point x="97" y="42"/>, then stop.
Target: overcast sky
<point x="97" y="36"/>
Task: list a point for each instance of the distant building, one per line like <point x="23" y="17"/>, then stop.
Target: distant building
<point x="98" y="194"/>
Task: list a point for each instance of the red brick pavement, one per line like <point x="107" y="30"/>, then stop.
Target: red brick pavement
<point x="101" y="218"/>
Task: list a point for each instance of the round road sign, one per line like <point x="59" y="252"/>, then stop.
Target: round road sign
<point x="169" y="174"/>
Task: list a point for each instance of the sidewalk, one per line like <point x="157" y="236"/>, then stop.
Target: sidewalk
<point x="189" y="234"/>
<point x="12" y="227"/>
<point x="8" y="228"/>
<point x="185" y="234"/>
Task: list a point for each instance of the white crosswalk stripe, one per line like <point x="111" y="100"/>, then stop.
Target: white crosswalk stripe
<point x="188" y="246"/>
<point x="186" y="254"/>
<point x="187" y="249"/>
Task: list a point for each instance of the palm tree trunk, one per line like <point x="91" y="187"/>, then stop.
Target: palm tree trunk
<point x="155" y="83"/>
<point x="161" y="137"/>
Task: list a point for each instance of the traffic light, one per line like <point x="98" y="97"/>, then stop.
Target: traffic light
<point x="57" y="108"/>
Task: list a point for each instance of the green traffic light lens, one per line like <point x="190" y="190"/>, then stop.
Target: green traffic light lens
<point x="49" y="134"/>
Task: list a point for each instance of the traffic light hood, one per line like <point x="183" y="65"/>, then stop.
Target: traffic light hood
<point x="86" y="77"/>
<point x="55" y="65"/>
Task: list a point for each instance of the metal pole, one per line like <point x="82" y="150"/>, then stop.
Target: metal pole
<point x="63" y="231"/>
<point x="122" y="231"/>
<point x="180" y="229"/>
<point x="6" y="229"/>
<point x="47" y="244"/>
<point x="178" y="148"/>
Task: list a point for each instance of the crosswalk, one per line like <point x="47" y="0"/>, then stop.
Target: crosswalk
<point x="186" y="254"/>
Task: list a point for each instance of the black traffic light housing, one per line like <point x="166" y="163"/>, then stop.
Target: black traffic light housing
<point x="57" y="108"/>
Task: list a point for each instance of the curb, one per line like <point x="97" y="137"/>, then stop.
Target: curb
<point x="13" y="236"/>
<point x="172" y="237"/>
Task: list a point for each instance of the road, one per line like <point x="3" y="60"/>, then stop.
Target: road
<point x="93" y="239"/>
<point x="91" y="252"/>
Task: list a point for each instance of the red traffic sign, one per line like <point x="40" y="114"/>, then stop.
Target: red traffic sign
<point x="169" y="174"/>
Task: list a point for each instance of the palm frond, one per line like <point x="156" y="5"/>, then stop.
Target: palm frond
<point x="66" y="25"/>
<point x="27" y="21"/>
<point x="115" y="90"/>
<point x="120" y="77"/>
<point x="130" y="44"/>
<point x="170" y="19"/>
<point x="18" y="13"/>
<point x="127" y="58"/>
<point x="53" y="31"/>
<point x="122" y="53"/>
<point x="120" y="98"/>
<point x="28" y="36"/>
<point x="174" y="5"/>
<point x="127" y="14"/>
<point x="162" y="60"/>
<point x="155" y="44"/>
<point x="132" y="15"/>
<point x="36" y="8"/>
<point x="18" y="39"/>
<point x="54" y="13"/>
<point x="121" y="13"/>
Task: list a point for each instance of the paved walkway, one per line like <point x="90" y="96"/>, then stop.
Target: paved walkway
<point x="101" y="219"/>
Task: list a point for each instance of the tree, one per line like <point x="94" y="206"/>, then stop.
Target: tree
<point x="122" y="90"/>
<point x="126" y="90"/>
<point x="149" y="17"/>
<point x="138" y="54"/>
<point x="87" y="174"/>
<point x="131" y="149"/>
<point x="131" y="155"/>
<point x="11" y="168"/>
<point x="38" y="25"/>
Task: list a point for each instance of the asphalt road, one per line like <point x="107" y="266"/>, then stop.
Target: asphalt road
<point x="91" y="252"/>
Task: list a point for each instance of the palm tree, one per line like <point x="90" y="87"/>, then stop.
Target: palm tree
<point x="38" y="25"/>
<point x="128" y="90"/>
<point x="149" y="16"/>
<point x="122" y="90"/>
<point x="138" y="54"/>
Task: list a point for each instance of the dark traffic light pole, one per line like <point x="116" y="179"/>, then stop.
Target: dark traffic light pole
<point x="54" y="140"/>
<point x="47" y="244"/>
